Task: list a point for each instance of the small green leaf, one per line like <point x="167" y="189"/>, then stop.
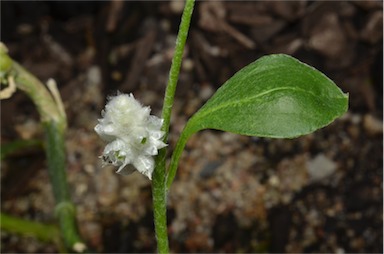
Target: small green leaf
<point x="44" y="232"/>
<point x="276" y="96"/>
<point x="18" y="145"/>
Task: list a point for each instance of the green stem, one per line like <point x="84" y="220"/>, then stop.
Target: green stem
<point x="177" y="152"/>
<point x="159" y="189"/>
<point x="54" y="136"/>
<point x="160" y="203"/>
<point x="65" y="210"/>
<point x="38" y="93"/>
<point x="176" y="64"/>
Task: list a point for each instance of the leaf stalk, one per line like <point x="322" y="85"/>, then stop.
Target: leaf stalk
<point x="159" y="188"/>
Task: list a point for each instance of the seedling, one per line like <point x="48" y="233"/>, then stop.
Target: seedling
<point x="277" y="96"/>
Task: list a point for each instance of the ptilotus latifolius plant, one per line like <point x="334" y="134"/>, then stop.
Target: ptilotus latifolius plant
<point x="277" y="96"/>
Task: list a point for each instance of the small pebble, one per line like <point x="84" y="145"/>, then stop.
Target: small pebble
<point x="206" y="91"/>
<point x="373" y="125"/>
<point x="320" y="167"/>
<point x="188" y="65"/>
<point x="176" y="6"/>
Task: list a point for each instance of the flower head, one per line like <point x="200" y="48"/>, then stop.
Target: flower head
<point x="133" y="135"/>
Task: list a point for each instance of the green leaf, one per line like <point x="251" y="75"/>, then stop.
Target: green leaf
<point x="276" y="96"/>
<point x="44" y="232"/>
<point x="14" y="146"/>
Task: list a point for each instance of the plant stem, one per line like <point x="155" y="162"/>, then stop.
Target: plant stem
<point x="38" y="93"/>
<point x="177" y="152"/>
<point x="159" y="189"/>
<point x="54" y="122"/>
<point x="160" y="203"/>
<point x="176" y="64"/>
<point x="65" y="210"/>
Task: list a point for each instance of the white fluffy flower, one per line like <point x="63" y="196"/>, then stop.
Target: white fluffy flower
<point x="133" y="135"/>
